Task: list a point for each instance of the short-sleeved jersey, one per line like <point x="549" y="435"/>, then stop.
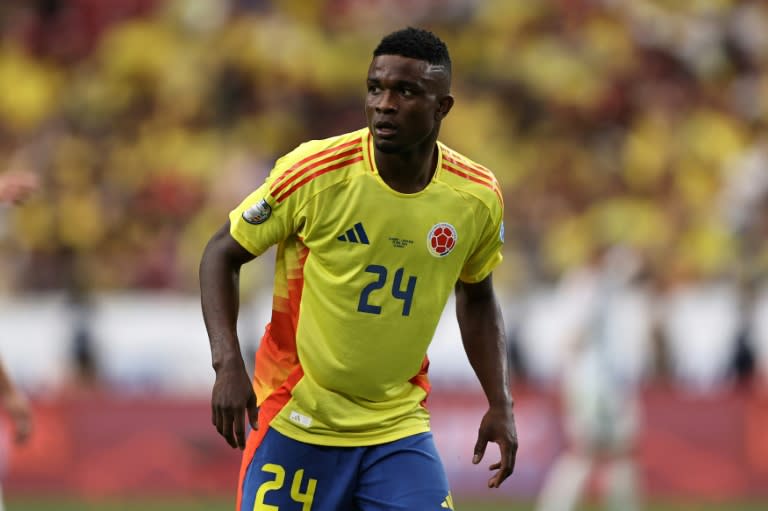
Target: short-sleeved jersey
<point x="362" y="276"/>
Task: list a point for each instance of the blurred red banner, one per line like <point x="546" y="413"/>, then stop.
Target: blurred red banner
<point x="710" y="447"/>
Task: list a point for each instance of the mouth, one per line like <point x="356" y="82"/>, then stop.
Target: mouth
<point x="385" y="129"/>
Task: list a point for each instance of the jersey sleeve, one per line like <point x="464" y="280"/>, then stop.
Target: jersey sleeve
<point x="487" y="253"/>
<point x="261" y="221"/>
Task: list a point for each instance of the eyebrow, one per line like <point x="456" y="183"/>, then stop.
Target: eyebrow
<point x="399" y="83"/>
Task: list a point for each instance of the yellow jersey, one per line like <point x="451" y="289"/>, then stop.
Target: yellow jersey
<point x="363" y="273"/>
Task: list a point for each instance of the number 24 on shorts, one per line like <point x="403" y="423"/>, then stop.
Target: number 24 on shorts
<point x="304" y="498"/>
<point x="406" y="295"/>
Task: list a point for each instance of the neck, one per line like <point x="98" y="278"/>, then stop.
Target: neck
<point x="408" y="171"/>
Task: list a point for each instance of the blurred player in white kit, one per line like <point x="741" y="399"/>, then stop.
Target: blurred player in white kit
<point x="600" y="375"/>
<point x="15" y="187"/>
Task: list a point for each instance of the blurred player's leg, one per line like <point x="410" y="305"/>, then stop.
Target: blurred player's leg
<point x="404" y="475"/>
<point x="621" y="491"/>
<point x="565" y="483"/>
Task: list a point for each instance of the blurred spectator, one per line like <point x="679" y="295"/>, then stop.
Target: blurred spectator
<point x="633" y="122"/>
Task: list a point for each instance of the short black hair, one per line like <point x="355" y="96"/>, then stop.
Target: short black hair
<point x="415" y="43"/>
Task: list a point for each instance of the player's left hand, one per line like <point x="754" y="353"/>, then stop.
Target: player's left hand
<point x="498" y="426"/>
<point x="17" y="406"/>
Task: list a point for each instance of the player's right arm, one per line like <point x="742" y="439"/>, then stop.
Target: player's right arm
<point x="269" y="215"/>
<point x="233" y="393"/>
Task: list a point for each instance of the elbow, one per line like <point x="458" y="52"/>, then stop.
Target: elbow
<point x="221" y="254"/>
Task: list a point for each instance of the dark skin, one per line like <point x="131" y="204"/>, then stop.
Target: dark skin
<point x="482" y="332"/>
<point x="233" y="397"/>
<point x="407" y="100"/>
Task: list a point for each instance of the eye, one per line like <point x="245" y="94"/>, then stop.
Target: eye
<point x="373" y="89"/>
<point x="407" y="92"/>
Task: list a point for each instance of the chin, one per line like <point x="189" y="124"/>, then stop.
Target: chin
<point x="386" y="146"/>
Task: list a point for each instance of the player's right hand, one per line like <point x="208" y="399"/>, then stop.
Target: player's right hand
<point x="232" y="397"/>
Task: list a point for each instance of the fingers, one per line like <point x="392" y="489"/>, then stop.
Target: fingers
<point x="231" y="398"/>
<point x="505" y="467"/>
<point x="20" y="413"/>
<point x="480" y="446"/>
<point x="224" y="422"/>
<point x="218" y="421"/>
<point x="239" y="429"/>
<point x="496" y="480"/>
<point x="228" y="422"/>
<point x="23" y="429"/>
<point x="253" y="412"/>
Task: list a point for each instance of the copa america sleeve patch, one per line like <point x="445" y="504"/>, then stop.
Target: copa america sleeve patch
<point x="258" y="213"/>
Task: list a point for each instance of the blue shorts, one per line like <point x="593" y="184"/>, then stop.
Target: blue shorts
<point x="287" y="475"/>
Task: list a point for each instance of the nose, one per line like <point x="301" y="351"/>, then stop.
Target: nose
<point x="386" y="103"/>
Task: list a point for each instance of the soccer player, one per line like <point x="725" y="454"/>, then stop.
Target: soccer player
<point x="15" y="188"/>
<point x="374" y="230"/>
<point x="17" y="407"/>
<point x="610" y="323"/>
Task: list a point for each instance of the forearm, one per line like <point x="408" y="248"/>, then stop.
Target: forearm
<point x="233" y="392"/>
<point x="482" y="331"/>
<point x="6" y="385"/>
<point x="219" y="296"/>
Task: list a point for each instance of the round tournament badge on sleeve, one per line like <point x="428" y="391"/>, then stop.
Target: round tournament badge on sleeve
<point x="258" y="213"/>
<point x="441" y="239"/>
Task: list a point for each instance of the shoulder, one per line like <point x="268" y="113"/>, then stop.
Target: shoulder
<point x="470" y="178"/>
<point x="314" y="150"/>
<point x="316" y="163"/>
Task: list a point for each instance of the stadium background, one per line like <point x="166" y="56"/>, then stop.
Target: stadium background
<point x="639" y="123"/>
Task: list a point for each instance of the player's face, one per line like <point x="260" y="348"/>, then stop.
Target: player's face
<point x="407" y="98"/>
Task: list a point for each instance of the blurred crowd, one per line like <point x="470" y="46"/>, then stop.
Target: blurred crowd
<point x="632" y="123"/>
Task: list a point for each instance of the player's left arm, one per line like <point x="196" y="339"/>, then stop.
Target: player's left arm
<point x="482" y="332"/>
<point x="16" y="404"/>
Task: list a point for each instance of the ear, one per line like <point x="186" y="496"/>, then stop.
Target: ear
<point x="444" y="106"/>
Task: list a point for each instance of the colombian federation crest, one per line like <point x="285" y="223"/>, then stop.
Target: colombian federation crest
<point x="258" y="213"/>
<point x="441" y="239"/>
